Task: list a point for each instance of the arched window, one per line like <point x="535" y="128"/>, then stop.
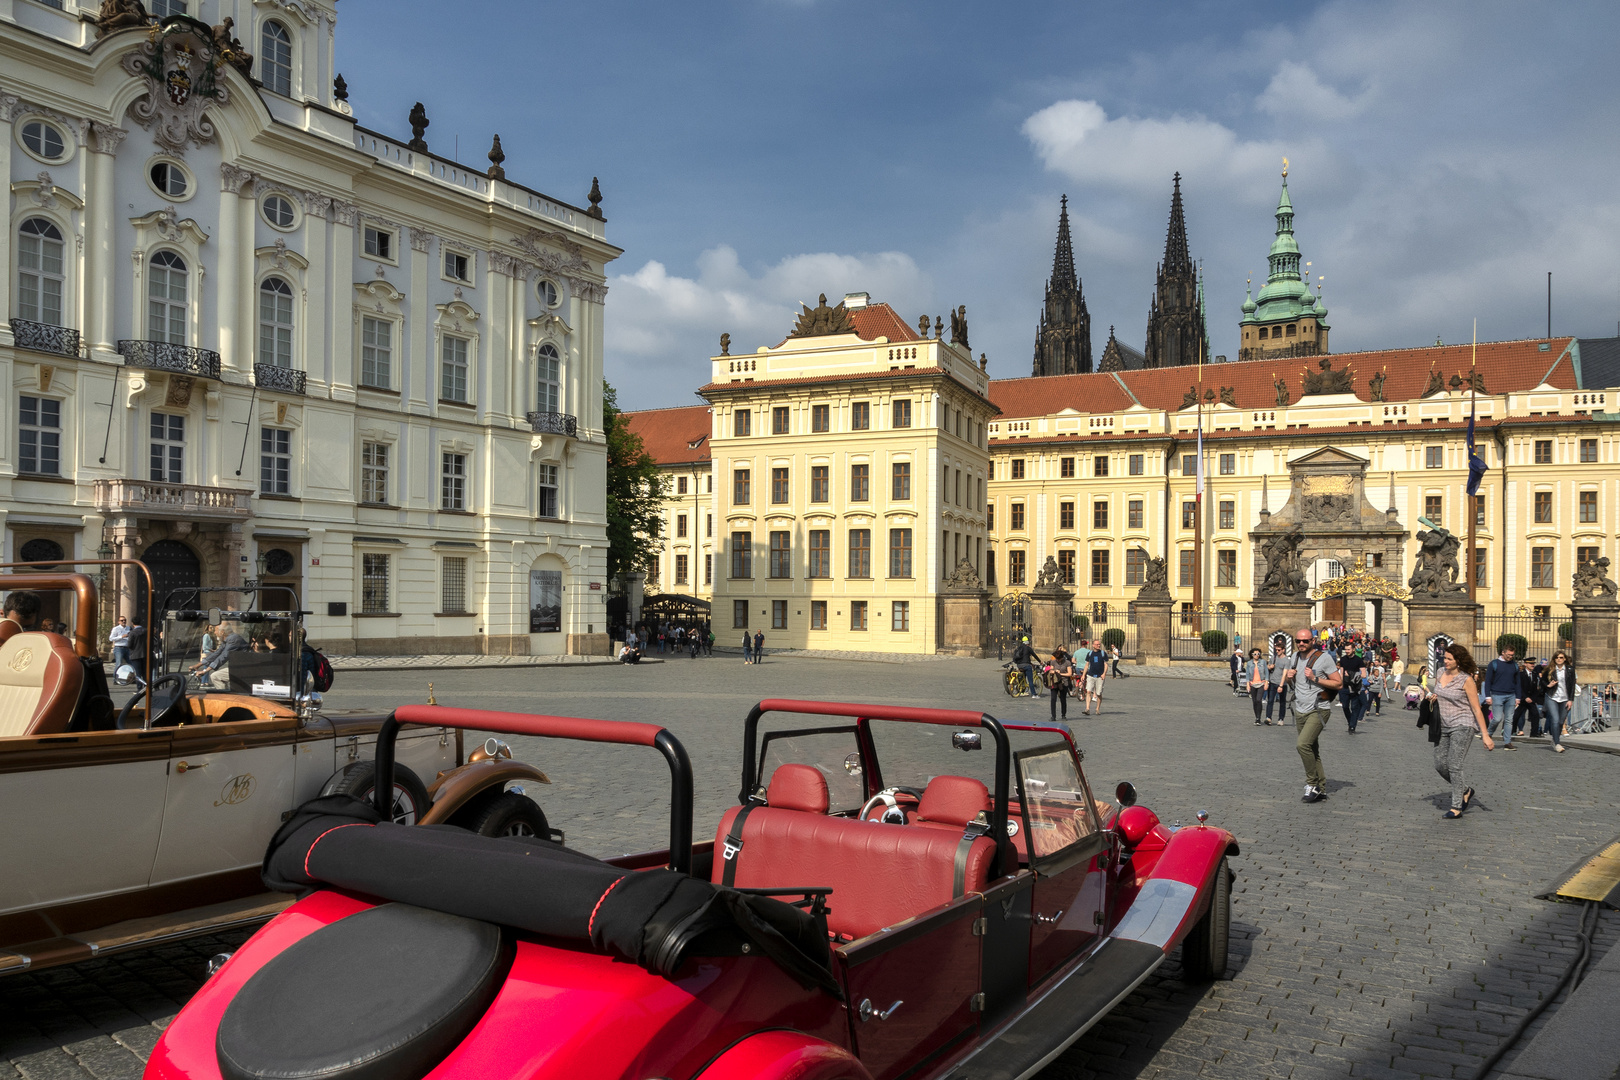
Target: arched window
<point x="275" y="323"/>
<point x="39" y="272"/>
<point x="275" y="59"/>
<point x="166" y="299"/>
<point x="548" y="374"/>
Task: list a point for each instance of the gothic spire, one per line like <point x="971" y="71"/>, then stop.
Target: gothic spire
<point x="1175" y="333"/>
<point x="1063" y="335"/>
<point x="1063" y="275"/>
<point x="1176" y="259"/>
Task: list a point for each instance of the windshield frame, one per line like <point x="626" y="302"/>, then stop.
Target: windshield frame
<point x="179" y="650"/>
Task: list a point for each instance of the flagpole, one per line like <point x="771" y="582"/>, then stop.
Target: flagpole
<point x="1198" y="507"/>
<point x="1470" y="498"/>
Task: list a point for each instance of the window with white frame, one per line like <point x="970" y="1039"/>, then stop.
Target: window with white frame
<point x="275" y="58"/>
<point x="168" y="449"/>
<point x="457" y="266"/>
<point x="453" y="481"/>
<point x="453" y="585"/>
<point x="373" y="583"/>
<point x="40" y="273"/>
<point x="43" y="140"/>
<point x="278" y="211"/>
<point x="374" y="473"/>
<point x="379" y="243"/>
<point x="166" y="298"/>
<point x="453" y="369"/>
<point x="169" y="179"/>
<point x="547" y="506"/>
<point x="162" y="9"/>
<point x="548" y="380"/>
<point x="275" y="323"/>
<point x="39" y="436"/>
<point x="376" y="353"/>
<point x="275" y="461"/>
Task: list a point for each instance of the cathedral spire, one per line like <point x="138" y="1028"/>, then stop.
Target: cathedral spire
<point x="1176" y="331"/>
<point x="1063" y="275"/>
<point x="1063" y="336"/>
<point x="1176" y="259"/>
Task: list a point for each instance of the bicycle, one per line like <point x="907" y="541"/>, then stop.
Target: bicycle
<point x="1014" y="682"/>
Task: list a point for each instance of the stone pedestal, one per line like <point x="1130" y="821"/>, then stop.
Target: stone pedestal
<point x="589" y="645"/>
<point x="1426" y="618"/>
<point x="964" y="619"/>
<point x="1597" y="627"/>
<point x="1049" y="620"/>
<point x="1153" y="632"/>
<point x="1270" y="616"/>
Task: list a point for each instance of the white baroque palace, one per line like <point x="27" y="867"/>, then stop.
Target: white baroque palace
<point x="244" y="337"/>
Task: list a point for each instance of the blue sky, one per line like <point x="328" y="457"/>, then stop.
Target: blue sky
<point x="755" y="153"/>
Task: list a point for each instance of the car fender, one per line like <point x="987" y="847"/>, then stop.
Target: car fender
<point x="1176" y="893"/>
<point x="457" y="787"/>
<point x="784" y="1055"/>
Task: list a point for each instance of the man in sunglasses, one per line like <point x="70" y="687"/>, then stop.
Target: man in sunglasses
<point x="1315" y="672"/>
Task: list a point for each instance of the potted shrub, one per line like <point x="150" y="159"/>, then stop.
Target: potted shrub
<point x="1214" y="642"/>
<point x="1516" y="642"/>
<point x="1566" y="635"/>
<point x="1113" y="638"/>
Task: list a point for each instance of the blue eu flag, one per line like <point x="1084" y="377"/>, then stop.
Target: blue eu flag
<point x="1476" y="460"/>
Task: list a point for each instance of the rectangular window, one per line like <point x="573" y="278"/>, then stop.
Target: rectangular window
<point x="1481" y="561"/>
<point x="1066" y="467"/>
<point x="1378" y="560"/>
<point x="1189" y="514"/>
<point x="1544" y="453"/>
<point x="818" y="483"/>
<point x="779" y="614"/>
<point x="1543" y="508"/>
<point x="901" y="614"/>
<point x="1541" y="568"/>
<point x="168" y="449"/>
<point x="1479" y="509"/>
<point x="1589" y="451"/>
<point x="1018" y="469"/>
<point x="818" y="614"/>
<point x="374" y="473"/>
<point x="453" y="369"/>
<point x="546" y="504"/>
<point x="740" y="492"/>
<point x="1136" y="567"/>
<point x="1228" y="514"/>
<point x="373" y="584"/>
<point x="781" y="556"/>
<point x="857" y="615"/>
<point x="779" y="485"/>
<point x="1015" y="567"/>
<point x="379" y="243"/>
<point x="1185" y="575"/>
<point x="1226" y="568"/>
<point x="742" y="555"/>
<point x="680" y="525"/>
<point x="275" y="461"/>
<point x="899" y="553"/>
<point x="860" y="553"/>
<point x="820" y="553"/>
<point x="821" y="418"/>
<point x="453" y="585"/>
<point x="860" y="483"/>
<point x="860" y="416"/>
<point x="376" y="353"/>
<point x="1099" y="514"/>
<point x="1066" y="515"/>
<point x="680" y="569"/>
<point x="1136" y="465"/>
<point x="1066" y="566"/>
<point x="708" y="523"/>
<point x="39" y="436"/>
<point x="1189" y="464"/>
<point x="1099" y="566"/>
<point x="1434" y="457"/>
<point x="1433" y="505"/>
<point x="1133" y="514"/>
<point x="902" y="480"/>
<point x="990" y="516"/>
<point x="680" y="485"/>
<point x="1017" y="517"/>
<point x="1589" y="508"/>
<point x="739" y="614"/>
<point x="902" y="414"/>
<point x="1099" y="465"/>
<point x="1584" y="555"/>
<point x="708" y="568"/>
<point x="957" y="492"/>
<point x="742" y="422"/>
<point x="990" y="567"/>
<point x="1228" y="464"/>
<point x="1542" y="613"/>
<point x="779" y="420"/>
<point x="453" y="481"/>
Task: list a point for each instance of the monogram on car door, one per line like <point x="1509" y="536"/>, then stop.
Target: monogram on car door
<point x="1064" y="846"/>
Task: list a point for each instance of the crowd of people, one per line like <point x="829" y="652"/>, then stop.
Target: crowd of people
<point x="1081" y="673"/>
<point x="673" y="638"/>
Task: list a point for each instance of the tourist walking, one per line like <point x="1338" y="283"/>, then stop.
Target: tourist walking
<point x="1096" y="672"/>
<point x="1377" y="684"/>
<point x="1113" y="662"/>
<point x="1530" y="696"/>
<point x="1259" y="674"/>
<point x="118" y="638"/>
<point x="1023" y="658"/>
<point x="1315" y="673"/>
<point x="1236" y="663"/>
<point x="748" y="648"/>
<point x="1559" y="693"/>
<point x="1277" y="681"/>
<point x="1062" y="669"/>
<point x="1457" y="697"/>
<point x="1502" y="687"/>
<point x="759" y="646"/>
<point x="1350" y="699"/>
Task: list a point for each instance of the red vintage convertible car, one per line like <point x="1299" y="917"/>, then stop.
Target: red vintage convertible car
<point x="840" y="926"/>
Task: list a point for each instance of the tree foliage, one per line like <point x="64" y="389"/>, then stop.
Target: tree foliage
<point x="635" y="494"/>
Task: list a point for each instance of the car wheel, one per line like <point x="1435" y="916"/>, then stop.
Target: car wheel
<point x="410" y="794"/>
<point x="509" y="814"/>
<point x="1203" y="950"/>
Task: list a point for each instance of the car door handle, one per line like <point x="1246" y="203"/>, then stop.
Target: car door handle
<point x="868" y="1011"/>
<point x="182" y="767"/>
<point x="1052" y="918"/>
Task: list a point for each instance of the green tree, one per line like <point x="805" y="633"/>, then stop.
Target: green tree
<point x="635" y="494"/>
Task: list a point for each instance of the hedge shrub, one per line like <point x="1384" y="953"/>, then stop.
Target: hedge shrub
<point x="1516" y="642"/>
<point x="1113" y="638"/>
<point x="1566" y="632"/>
<point x="1215" y="642"/>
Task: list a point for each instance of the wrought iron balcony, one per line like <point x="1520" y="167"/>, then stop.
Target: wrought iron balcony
<point x="271" y="377"/>
<point x="553" y="423"/>
<point x="162" y="356"/>
<point x="43" y="337"/>
<point x="187" y="502"/>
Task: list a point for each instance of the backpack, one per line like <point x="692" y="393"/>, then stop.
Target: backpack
<point x="1328" y="696"/>
<point x="316" y="663"/>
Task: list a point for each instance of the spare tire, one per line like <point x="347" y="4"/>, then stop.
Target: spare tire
<point x="509" y="814"/>
<point x="411" y="800"/>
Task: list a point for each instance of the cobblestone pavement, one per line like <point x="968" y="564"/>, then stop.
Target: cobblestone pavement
<point x="1370" y="937"/>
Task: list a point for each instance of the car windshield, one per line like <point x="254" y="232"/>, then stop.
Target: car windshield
<point x="238" y="652"/>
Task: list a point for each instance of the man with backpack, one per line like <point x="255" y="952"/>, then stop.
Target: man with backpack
<point x="1316" y="678"/>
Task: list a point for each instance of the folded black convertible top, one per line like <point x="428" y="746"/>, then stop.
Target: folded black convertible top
<point x="655" y="918"/>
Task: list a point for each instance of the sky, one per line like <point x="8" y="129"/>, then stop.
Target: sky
<point x="1444" y="157"/>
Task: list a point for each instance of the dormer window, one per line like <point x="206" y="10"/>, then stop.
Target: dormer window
<point x="275" y="59"/>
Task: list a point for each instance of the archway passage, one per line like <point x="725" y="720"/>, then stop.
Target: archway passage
<point x="173" y="566"/>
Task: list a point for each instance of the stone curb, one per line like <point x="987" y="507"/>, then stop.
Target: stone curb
<point x="1581" y="1041"/>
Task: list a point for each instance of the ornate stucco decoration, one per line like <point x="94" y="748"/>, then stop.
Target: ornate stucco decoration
<point x="169" y="226"/>
<point x="1327" y="381"/>
<point x="1360" y="581"/>
<point x="181" y="65"/>
<point x="964" y="578"/>
<point x="822" y="320"/>
<point x="572" y="260"/>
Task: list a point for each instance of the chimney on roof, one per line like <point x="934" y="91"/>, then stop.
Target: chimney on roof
<point x="854" y="301"/>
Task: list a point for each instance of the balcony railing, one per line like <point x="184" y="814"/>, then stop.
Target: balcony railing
<point x="162" y="356"/>
<point x="45" y="338"/>
<point x="553" y="423"/>
<point x="271" y="377"/>
<point x="188" y="502"/>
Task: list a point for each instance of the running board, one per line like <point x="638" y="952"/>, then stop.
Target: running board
<point x="1063" y="1014"/>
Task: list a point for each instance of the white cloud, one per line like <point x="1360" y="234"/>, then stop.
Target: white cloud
<point x="1295" y="93"/>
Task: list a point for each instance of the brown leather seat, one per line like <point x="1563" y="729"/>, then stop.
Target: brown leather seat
<point x="40" y="680"/>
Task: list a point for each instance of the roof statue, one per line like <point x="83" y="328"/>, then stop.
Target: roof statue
<point x="1282" y="392"/>
<point x="419" y="125"/>
<point x="1176" y="334"/>
<point x="1437" y="384"/>
<point x="1063" y="336"/>
<point x="496" y="157"/>
<point x="725" y="344"/>
<point x="959" y="327"/>
<point x="822" y="320"/>
<point x="1327" y="381"/>
<point x="120" y="15"/>
<point x="1229" y="396"/>
<point x="1375" y="386"/>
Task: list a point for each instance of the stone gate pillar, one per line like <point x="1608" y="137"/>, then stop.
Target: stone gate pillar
<point x="1049" y="621"/>
<point x="1597" y="626"/>
<point x="1153" y="606"/>
<point x="964" y="613"/>
<point x="1427" y="616"/>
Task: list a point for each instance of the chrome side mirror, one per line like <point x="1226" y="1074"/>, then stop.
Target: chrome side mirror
<point x="124" y="675"/>
<point x="1125" y="794"/>
<point x="967" y="740"/>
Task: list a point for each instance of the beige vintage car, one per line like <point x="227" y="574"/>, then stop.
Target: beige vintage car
<point x="126" y="827"/>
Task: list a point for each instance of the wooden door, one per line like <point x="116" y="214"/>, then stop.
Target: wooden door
<point x="1333" y="609"/>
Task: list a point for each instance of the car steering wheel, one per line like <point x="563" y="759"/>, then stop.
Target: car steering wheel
<point x="893" y="813"/>
<point x="153" y="687"/>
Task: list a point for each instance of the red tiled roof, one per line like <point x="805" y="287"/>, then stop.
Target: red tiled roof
<point x="1508" y="366"/>
<point x="667" y="433"/>
<point x="881" y="320"/>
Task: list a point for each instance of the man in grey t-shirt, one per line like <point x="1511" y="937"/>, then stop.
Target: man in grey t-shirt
<point x="1314" y="672"/>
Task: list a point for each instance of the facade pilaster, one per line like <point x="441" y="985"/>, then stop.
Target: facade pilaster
<point x="229" y="258"/>
<point x="100" y="204"/>
<point x="424" y="375"/>
<point x="341" y="368"/>
<point x="8" y="109"/>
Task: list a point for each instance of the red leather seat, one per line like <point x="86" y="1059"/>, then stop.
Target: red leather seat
<point x="880" y="874"/>
<point x="952" y="801"/>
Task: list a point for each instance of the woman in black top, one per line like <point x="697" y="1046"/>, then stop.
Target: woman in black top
<point x="1559" y="696"/>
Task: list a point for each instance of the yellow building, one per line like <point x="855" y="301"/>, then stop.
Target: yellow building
<point x="678" y="439"/>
